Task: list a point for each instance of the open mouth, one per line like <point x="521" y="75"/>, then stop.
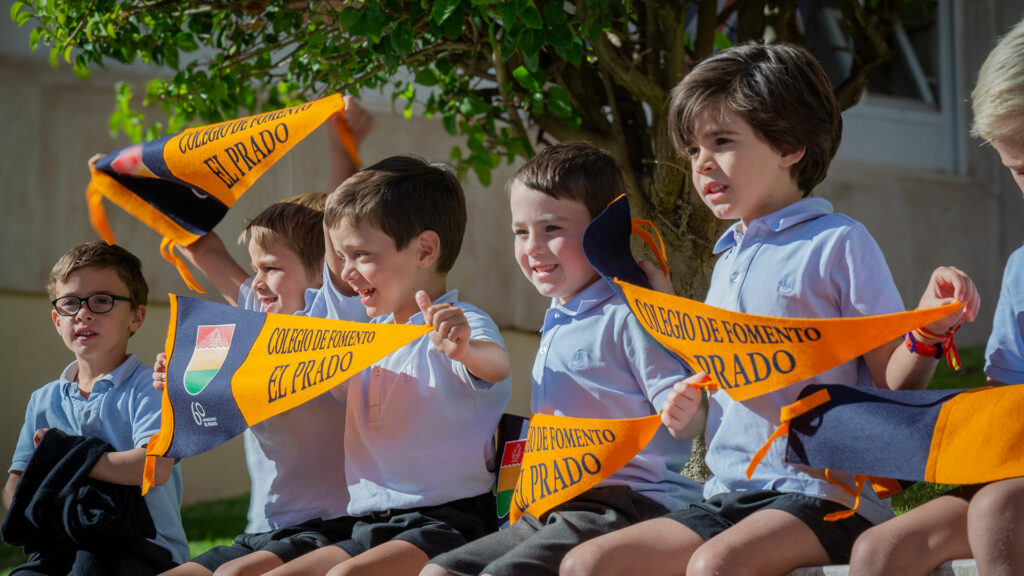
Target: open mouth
<point x="85" y="334"/>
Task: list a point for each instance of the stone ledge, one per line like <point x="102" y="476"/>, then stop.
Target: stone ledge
<point x="954" y="568"/>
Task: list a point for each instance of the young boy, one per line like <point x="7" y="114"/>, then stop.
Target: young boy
<point x="420" y="422"/>
<point x="760" y="125"/>
<point x="99" y="301"/>
<point x="986" y="522"/>
<point x="595" y="361"/>
<point x="292" y="510"/>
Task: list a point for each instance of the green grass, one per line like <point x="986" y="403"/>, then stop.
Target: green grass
<point x="208" y="524"/>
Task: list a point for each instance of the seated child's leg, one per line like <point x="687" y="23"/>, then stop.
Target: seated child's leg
<point x="316" y="562"/>
<point x="188" y="569"/>
<point x="915" y="542"/>
<point x="995" y="527"/>
<point x="391" y="558"/>
<point x="259" y="562"/>
<point x="655" y="547"/>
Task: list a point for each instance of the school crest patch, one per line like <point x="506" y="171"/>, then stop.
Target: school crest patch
<point x="212" y="345"/>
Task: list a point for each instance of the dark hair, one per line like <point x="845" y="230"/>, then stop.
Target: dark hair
<point x="578" y="171"/>
<point x="779" y="89"/>
<point x="103" y="255"/>
<point x="404" y="196"/>
<point x="295" y="223"/>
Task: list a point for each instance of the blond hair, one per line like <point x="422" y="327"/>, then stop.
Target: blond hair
<point x="295" y="223"/>
<point x="998" y="96"/>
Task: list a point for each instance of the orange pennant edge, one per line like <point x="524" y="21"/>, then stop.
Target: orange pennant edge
<point x="161" y="441"/>
<point x="748" y="355"/>
<point x="565" y="457"/>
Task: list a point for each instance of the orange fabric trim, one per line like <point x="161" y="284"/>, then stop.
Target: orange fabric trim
<point x="885" y="487"/>
<point x="786" y="414"/>
<point x="160" y="442"/>
<point x="347" y="140"/>
<point x="859" y="479"/>
<point x="167" y="251"/>
<point x="97" y="215"/>
<point x="643" y="229"/>
<point x="107" y="186"/>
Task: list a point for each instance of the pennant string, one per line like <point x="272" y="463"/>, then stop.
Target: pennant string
<point x="859" y="479"/>
<point x="643" y="229"/>
<point x="97" y="215"/>
<point x="786" y="414"/>
<point x="149" y="471"/>
<point x="167" y="251"/>
<point x="347" y="140"/>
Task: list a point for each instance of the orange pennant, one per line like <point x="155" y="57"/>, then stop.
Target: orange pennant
<point x="748" y="355"/>
<point x="565" y="457"/>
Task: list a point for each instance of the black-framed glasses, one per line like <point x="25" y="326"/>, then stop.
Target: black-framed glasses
<point x="98" y="303"/>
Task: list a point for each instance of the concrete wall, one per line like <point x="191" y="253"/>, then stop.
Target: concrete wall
<point x="52" y="123"/>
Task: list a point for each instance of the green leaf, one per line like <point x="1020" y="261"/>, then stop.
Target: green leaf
<point x="449" y="122"/>
<point x="426" y="77"/>
<point x="530" y="16"/>
<point x="54" y="57"/>
<point x="402" y="38"/>
<point x="722" y="41"/>
<point x="507" y="13"/>
<point x="21" y="17"/>
<point x="443" y="10"/>
<point x="558" y="103"/>
<point x="527" y="79"/>
<point x="453" y="25"/>
<point x="15" y="8"/>
<point x="187" y="43"/>
<point x="509" y="41"/>
<point x="81" y="68"/>
<point x="483" y="173"/>
<point x="349" y="17"/>
<point x="33" y="38"/>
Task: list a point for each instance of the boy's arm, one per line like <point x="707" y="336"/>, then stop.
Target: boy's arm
<point x="359" y="123"/>
<point x="209" y="254"/>
<point x="126" y="468"/>
<point x="892" y="365"/>
<point x="9" y="488"/>
<point x="452" y="335"/>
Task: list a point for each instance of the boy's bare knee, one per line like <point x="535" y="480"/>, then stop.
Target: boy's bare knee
<point x="433" y="570"/>
<point x="582" y="560"/>
<point x="708" y="560"/>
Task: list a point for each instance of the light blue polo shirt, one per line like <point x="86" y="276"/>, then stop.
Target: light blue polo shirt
<point x="596" y="361"/>
<point x="1004" y="355"/>
<point x="296" y="460"/>
<point x="803" y="261"/>
<point x="124" y="411"/>
<point x="419" y="428"/>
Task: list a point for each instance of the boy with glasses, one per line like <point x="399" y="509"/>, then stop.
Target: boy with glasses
<point x="99" y="301"/>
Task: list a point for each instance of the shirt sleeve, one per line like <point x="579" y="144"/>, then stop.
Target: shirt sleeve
<point x="653" y="366"/>
<point x="1004" y="355"/>
<point x="247" y="299"/>
<point x="865" y="283"/>
<point x="24" y="450"/>
<point x="145" y="416"/>
<point x="482" y="327"/>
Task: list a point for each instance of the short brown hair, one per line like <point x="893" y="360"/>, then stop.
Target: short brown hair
<point x="578" y="171"/>
<point x="779" y="89"/>
<point x="103" y="255"/>
<point x="404" y="196"/>
<point x="295" y="223"/>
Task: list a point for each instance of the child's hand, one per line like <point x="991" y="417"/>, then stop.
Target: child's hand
<point x="358" y="119"/>
<point x="682" y="403"/>
<point x="160" y="372"/>
<point x="38" y="437"/>
<point x="451" y="329"/>
<point x="94" y="160"/>
<point x="659" y="281"/>
<point x="949" y="284"/>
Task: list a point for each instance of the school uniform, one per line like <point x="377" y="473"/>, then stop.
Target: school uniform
<point x="803" y="261"/>
<point x="123" y="410"/>
<point x="1004" y="355"/>
<point x="418" y="444"/>
<point x="594" y="361"/>
<point x="296" y="461"/>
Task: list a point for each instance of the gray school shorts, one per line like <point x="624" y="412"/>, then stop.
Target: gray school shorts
<point x="286" y="543"/>
<point x="537" y="545"/>
<point x="715" y="515"/>
<point x="432" y="529"/>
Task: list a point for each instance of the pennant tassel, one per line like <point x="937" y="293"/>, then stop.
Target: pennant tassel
<point x="840" y="515"/>
<point x="167" y="251"/>
<point x="787" y="414"/>
<point x="97" y="215"/>
<point x="643" y="229"/>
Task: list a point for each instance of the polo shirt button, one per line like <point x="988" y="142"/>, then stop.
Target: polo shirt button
<point x="735" y="276"/>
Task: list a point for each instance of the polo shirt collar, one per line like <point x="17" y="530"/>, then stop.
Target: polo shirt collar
<point x="114" y="377"/>
<point x="590" y="297"/>
<point x="801" y="211"/>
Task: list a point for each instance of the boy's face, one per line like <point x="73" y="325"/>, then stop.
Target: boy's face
<point x="280" y="280"/>
<point x="384" y="277"/>
<point x="1011" y="152"/>
<point x="549" y="242"/>
<point x="737" y="174"/>
<point x="100" y="338"/>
